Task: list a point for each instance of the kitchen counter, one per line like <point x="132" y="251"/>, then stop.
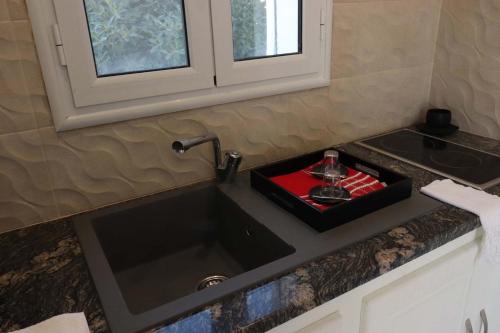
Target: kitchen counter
<point x="43" y="271"/>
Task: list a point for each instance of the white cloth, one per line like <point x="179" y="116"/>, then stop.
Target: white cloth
<point x="66" y="323"/>
<point x="486" y="206"/>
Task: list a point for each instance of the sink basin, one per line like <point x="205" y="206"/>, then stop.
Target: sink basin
<point x="161" y="251"/>
<point x="157" y="250"/>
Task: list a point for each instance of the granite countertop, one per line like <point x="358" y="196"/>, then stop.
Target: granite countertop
<point x="43" y="272"/>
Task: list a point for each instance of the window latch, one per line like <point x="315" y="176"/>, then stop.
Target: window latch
<point x="59" y="45"/>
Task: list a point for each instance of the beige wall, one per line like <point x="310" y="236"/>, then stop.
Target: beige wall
<point x="466" y="77"/>
<point x="382" y="64"/>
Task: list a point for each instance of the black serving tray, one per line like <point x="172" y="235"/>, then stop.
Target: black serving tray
<point x="398" y="188"/>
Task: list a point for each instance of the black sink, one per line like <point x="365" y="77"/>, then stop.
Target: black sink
<point x="161" y="251"/>
<point x="149" y="256"/>
<point x="173" y="252"/>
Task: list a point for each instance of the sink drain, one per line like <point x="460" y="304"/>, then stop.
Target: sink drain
<point x="211" y="281"/>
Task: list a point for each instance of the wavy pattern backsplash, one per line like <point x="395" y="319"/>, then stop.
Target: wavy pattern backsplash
<point x="382" y="66"/>
<point x="466" y="77"/>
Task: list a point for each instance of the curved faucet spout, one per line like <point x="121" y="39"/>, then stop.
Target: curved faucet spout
<point x="183" y="145"/>
<point x="225" y="169"/>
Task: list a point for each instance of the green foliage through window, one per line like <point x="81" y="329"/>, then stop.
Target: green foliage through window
<point x="249" y="28"/>
<point x="137" y="35"/>
<point x="142" y="35"/>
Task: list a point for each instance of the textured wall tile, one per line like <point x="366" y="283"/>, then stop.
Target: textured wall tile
<point x="24" y="41"/>
<point x="32" y="72"/>
<point x="25" y="185"/>
<point x="99" y="166"/>
<point x="379" y="102"/>
<point x="103" y="165"/>
<point x="375" y="36"/>
<point x="17" y="9"/>
<point x="4" y="11"/>
<point x="108" y="164"/>
<point x="8" y="42"/>
<point x="466" y="77"/>
<point x="16" y="112"/>
<point x="265" y="129"/>
<point x="41" y="108"/>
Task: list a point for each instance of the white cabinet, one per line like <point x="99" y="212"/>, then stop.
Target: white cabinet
<point x="484" y="296"/>
<point x="340" y="315"/>
<point x="330" y="324"/>
<point x="328" y="318"/>
<point x="435" y="293"/>
<point x="431" y="299"/>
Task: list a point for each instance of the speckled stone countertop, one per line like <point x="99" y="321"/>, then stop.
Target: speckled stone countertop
<point x="43" y="272"/>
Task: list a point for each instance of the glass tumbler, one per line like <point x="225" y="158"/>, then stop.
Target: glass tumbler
<point x="331" y="174"/>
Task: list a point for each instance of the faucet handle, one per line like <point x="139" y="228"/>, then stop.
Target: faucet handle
<point x="233" y="154"/>
<point x="232" y="161"/>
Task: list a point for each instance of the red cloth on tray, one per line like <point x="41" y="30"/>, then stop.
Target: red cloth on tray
<point x="300" y="183"/>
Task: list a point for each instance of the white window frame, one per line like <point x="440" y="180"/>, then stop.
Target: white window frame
<point x="78" y="98"/>
<point x="230" y="72"/>
<point x="88" y="89"/>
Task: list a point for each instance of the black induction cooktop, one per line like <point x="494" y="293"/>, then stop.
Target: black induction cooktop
<point x="460" y="163"/>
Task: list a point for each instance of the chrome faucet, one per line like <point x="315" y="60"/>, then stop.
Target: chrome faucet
<point x="225" y="169"/>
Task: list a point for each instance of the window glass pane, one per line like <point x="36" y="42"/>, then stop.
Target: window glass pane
<point x="266" y="28"/>
<point x="130" y="36"/>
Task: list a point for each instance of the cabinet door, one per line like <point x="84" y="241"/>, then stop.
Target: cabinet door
<point x="336" y="316"/>
<point x="307" y="323"/>
<point x="484" y="294"/>
<point x="492" y="290"/>
<point x="329" y="324"/>
<point x="431" y="299"/>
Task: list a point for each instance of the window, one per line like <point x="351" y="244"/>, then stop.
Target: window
<point x="111" y="60"/>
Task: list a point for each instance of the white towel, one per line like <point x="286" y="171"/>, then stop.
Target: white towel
<point x="486" y="206"/>
<point x="71" y="322"/>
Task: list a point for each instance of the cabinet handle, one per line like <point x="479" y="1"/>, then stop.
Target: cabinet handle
<point x="484" y="319"/>
<point x="468" y="326"/>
